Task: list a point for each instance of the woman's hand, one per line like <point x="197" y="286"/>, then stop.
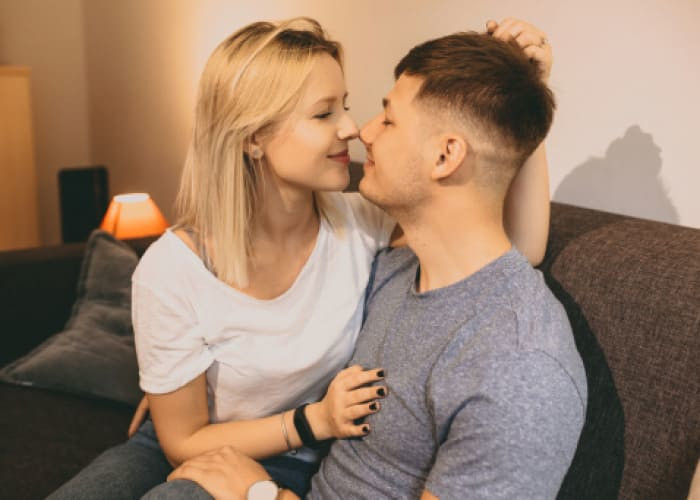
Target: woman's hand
<point x="139" y="416"/>
<point x="348" y="399"/>
<point x="530" y="38"/>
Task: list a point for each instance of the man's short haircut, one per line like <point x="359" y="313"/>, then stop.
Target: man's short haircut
<point x="486" y="83"/>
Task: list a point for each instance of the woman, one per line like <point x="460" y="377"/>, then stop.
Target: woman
<point x="250" y="306"/>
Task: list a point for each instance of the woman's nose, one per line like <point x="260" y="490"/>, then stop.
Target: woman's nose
<point x="347" y="128"/>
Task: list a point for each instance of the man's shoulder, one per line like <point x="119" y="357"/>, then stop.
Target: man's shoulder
<point x="520" y="320"/>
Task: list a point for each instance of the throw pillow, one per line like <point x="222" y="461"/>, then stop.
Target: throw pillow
<point x="94" y="355"/>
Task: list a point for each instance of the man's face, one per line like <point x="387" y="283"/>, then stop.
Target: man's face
<point x="396" y="177"/>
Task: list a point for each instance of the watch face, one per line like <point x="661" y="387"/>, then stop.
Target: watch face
<point x="263" y="490"/>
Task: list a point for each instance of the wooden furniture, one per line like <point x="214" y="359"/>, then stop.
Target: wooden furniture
<point x="19" y="212"/>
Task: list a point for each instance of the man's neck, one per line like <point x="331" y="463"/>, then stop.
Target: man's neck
<point x="453" y="241"/>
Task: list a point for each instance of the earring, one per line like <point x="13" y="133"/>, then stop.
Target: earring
<point x="257" y="154"/>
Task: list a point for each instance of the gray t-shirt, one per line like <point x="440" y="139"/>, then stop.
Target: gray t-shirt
<point x="487" y="392"/>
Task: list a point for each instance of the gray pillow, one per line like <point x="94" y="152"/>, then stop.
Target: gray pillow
<point x="94" y="355"/>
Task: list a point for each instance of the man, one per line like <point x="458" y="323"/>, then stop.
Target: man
<point x="487" y="392"/>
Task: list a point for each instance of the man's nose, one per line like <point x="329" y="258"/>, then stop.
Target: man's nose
<point x="368" y="132"/>
<point x="347" y="128"/>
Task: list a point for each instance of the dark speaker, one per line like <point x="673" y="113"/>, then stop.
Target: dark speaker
<point x="84" y="196"/>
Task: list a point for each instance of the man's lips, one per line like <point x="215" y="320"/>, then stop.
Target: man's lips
<point x="342" y="156"/>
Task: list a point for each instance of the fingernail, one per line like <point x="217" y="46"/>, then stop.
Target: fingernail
<point x="365" y="429"/>
<point x="381" y="391"/>
<point x="373" y="406"/>
<point x="380" y="373"/>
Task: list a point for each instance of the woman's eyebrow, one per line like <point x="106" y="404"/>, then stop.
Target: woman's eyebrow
<point x="331" y="98"/>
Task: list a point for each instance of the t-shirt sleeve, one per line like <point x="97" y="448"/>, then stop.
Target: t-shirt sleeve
<point x="170" y="345"/>
<point x="514" y="433"/>
<point x="375" y="224"/>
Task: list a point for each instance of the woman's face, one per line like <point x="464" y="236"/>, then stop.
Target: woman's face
<point x="310" y="149"/>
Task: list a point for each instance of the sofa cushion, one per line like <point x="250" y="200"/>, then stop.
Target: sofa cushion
<point x="94" y="355"/>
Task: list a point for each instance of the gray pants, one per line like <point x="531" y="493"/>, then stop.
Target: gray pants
<point x="138" y="468"/>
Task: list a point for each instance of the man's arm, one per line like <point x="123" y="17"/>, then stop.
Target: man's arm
<point x="228" y="473"/>
<point x="225" y="473"/>
<point x="513" y="434"/>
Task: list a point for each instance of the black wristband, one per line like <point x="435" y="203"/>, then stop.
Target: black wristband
<point x="304" y="429"/>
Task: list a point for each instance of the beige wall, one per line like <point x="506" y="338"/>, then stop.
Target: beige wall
<point x="625" y="76"/>
<point x="47" y="36"/>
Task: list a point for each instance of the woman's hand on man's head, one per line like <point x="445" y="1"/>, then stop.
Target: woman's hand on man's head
<point x="532" y="40"/>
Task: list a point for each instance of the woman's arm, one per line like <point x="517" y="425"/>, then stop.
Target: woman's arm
<point x="526" y="212"/>
<point x="181" y="419"/>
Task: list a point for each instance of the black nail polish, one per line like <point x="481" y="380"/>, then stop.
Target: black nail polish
<point x="365" y="429"/>
<point x="381" y="391"/>
<point x="380" y="373"/>
<point x="373" y="406"/>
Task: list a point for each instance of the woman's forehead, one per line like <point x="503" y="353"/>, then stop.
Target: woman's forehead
<point x="325" y="82"/>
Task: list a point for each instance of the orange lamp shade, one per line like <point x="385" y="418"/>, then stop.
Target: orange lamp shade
<point x="133" y="215"/>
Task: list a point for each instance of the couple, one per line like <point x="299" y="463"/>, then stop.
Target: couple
<point x="464" y="381"/>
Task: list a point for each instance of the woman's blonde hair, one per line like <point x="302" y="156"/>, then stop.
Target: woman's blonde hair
<point x="252" y="81"/>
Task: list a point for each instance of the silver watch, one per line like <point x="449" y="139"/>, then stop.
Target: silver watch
<point x="266" y="489"/>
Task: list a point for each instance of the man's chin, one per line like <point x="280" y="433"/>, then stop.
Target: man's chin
<point x="365" y="189"/>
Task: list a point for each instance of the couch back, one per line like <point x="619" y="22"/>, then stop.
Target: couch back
<point x="631" y="289"/>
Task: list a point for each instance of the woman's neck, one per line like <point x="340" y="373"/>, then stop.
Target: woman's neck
<point x="286" y="214"/>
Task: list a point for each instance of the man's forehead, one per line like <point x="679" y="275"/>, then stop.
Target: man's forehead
<point x="403" y="92"/>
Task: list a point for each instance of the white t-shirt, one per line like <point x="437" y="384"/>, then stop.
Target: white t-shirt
<point x="260" y="356"/>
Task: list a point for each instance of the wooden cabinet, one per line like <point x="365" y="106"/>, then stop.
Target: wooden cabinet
<point x="19" y="213"/>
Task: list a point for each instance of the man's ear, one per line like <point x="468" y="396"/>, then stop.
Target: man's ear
<point x="451" y="154"/>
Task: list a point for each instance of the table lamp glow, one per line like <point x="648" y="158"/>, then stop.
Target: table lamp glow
<point x="133" y="215"/>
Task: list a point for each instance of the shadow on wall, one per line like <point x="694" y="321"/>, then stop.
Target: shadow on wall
<point x="626" y="181"/>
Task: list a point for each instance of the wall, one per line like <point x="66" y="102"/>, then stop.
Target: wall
<point x="625" y="76"/>
<point x="47" y="36"/>
<point x="626" y="87"/>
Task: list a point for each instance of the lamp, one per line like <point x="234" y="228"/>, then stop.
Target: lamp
<point x="133" y="215"/>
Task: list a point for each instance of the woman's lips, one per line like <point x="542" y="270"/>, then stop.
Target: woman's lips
<point x="342" y="157"/>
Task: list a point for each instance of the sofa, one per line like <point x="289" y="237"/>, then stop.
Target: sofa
<point x="631" y="288"/>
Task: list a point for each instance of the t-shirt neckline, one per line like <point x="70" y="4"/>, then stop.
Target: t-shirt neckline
<point x="502" y="262"/>
<point x="313" y="257"/>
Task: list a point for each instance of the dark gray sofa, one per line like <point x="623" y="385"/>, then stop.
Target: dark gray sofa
<point x="632" y="291"/>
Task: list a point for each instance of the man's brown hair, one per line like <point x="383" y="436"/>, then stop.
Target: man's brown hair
<point x="488" y="83"/>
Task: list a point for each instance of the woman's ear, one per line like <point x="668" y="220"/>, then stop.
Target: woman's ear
<point x="451" y="155"/>
<point x="254" y="149"/>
